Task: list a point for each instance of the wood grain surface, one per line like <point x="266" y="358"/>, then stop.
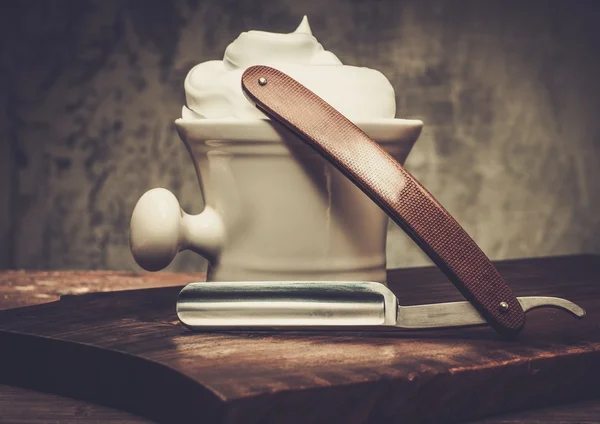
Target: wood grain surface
<point x="24" y="288"/>
<point x="126" y="350"/>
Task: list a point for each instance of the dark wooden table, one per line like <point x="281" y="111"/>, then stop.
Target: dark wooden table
<point x="371" y="390"/>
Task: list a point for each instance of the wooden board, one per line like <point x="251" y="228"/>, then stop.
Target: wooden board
<point x="127" y="350"/>
<point x="25" y="288"/>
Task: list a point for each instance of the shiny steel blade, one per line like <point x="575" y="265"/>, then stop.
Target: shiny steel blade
<point x="286" y="304"/>
<point x="308" y="304"/>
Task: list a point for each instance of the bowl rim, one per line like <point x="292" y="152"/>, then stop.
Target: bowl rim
<point x="384" y="130"/>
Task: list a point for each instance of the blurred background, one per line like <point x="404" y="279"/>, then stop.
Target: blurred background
<point x="89" y="90"/>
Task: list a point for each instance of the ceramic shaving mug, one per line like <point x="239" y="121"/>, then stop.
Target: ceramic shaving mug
<point x="274" y="208"/>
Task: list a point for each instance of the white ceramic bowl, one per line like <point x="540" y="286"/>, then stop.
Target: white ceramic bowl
<point x="274" y="209"/>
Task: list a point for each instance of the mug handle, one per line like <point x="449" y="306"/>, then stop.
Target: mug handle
<point x="160" y="229"/>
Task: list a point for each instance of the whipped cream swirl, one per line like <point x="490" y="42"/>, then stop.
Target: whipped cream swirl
<point x="213" y="88"/>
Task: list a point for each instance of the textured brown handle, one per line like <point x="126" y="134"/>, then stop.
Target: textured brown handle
<point x="397" y="192"/>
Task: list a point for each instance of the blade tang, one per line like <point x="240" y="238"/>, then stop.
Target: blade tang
<point x="463" y="314"/>
<point x="533" y="302"/>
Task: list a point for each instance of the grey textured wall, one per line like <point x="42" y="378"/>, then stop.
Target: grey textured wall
<point x="508" y="92"/>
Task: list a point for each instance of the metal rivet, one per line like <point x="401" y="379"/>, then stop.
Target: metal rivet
<point x="503" y="306"/>
<point x="262" y="81"/>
